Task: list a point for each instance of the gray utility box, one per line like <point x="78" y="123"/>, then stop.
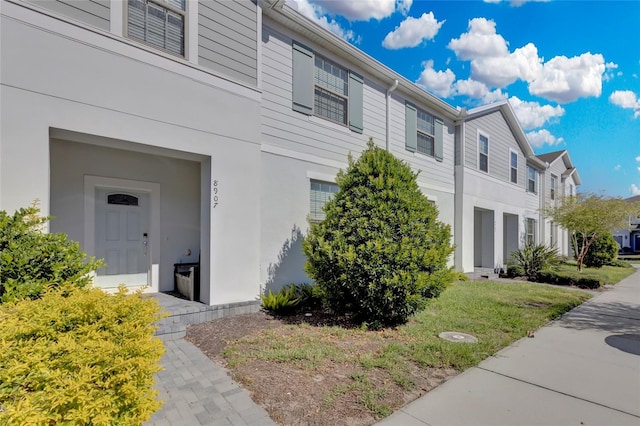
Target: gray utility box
<point x="187" y="280"/>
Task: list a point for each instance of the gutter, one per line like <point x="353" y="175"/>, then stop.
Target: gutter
<point x="388" y="119"/>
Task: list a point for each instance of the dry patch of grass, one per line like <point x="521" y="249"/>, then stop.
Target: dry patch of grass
<point x="332" y="375"/>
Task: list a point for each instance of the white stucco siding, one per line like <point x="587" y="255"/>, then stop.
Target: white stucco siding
<point x="179" y="182"/>
<point x="69" y="78"/>
<point x="285" y="128"/>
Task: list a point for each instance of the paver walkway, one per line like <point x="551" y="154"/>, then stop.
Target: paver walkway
<point x="196" y="391"/>
<point x="583" y="369"/>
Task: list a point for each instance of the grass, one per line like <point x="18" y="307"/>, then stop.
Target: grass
<point x="496" y="313"/>
<point x="606" y="274"/>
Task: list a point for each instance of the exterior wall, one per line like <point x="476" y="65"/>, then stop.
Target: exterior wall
<point x="501" y="141"/>
<point x="92" y="12"/>
<point x="62" y="76"/>
<point x="490" y="200"/>
<point x="297" y="148"/>
<point x="227" y="38"/>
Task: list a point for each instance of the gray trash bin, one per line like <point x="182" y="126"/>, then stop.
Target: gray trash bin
<point x="187" y="280"/>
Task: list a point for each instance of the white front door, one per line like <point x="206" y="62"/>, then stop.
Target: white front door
<point x="122" y="238"/>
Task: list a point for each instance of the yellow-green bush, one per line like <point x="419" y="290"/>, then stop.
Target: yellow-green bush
<point x="79" y="356"/>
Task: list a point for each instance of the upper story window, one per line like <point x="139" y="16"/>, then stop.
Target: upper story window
<point x="160" y="23"/>
<point x="321" y="192"/>
<point x="483" y="153"/>
<point x="532" y="181"/>
<point x="513" y="166"/>
<point x="426" y="133"/>
<point x="552" y="187"/>
<point x="331" y="90"/>
<point x="423" y="132"/>
<point x="326" y="89"/>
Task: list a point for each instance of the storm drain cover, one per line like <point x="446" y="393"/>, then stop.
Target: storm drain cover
<point x="456" y="336"/>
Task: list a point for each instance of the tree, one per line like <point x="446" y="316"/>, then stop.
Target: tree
<point x="380" y="253"/>
<point x="603" y="251"/>
<point x="590" y="216"/>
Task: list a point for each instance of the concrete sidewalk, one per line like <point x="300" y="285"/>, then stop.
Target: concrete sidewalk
<point x="583" y="369"/>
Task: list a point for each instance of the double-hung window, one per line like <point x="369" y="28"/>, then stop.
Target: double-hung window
<point x="532" y="180"/>
<point x="423" y="132"/>
<point x="331" y="90"/>
<point x="321" y="192"/>
<point x="530" y="231"/>
<point x="513" y="166"/>
<point x="160" y="23"/>
<point x="326" y="89"/>
<point x="426" y="132"/>
<point x="552" y="186"/>
<point x="483" y="153"/>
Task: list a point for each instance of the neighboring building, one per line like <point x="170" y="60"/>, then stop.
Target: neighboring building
<point x="629" y="238"/>
<point x="164" y="132"/>
<point x="560" y="180"/>
<point x="497" y="194"/>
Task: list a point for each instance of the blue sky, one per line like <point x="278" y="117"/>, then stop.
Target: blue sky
<point x="570" y="69"/>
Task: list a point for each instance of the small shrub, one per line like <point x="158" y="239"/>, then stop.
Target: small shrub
<point x="32" y="260"/>
<point x="310" y="296"/>
<point x="381" y="252"/>
<point x="79" y="356"/>
<point x="282" y="302"/>
<point x="534" y="258"/>
<point x="603" y="251"/>
<point x="552" y="277"/>
<point x="460" y="276"/>
<point x="514" y="270"/>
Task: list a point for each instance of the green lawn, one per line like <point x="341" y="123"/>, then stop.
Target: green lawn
<point x="496" y="313"/>
<point x="606" y="274"/>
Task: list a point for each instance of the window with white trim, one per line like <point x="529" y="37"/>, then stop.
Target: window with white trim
<point x="321" y="192"/>
<point x="331" y="90"/>
<point x="513" y="166"/>
<point x="160" y="23"/>
<point x="532" y="181"/>
<point x="530" y="231"/>
<point x="323" y="88"/>
<point x="425" y="133"/>
<point x="571" y="190"/>
<point x="483" y="153"/>
<point x="552" y="187"/>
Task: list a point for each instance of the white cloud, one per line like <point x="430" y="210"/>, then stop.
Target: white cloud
<point x="628" y="100"/>
<point x="413" y="31"/>
<point x="362" y="10"/>
<point x="312" y="12"/>
<point x="609" y="71"/>
<point x="617" y="167"/>
<point x="634" y="189"/>
<point x="438" y="82"/>
<point x="561" y="79"/>
<point x="638" y="158"/>
<point x="566" y="79"/>
<point x="480" y="42"/>
<point x="477" y="90"/>
<point x="532" y="114"/>
<point x="542" y="137"/>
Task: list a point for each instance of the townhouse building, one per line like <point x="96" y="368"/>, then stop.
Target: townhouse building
<point x="560" y="180"/>
<point x="161" y="132"/>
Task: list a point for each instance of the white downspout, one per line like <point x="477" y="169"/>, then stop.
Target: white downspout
<point x="388" y="119"/>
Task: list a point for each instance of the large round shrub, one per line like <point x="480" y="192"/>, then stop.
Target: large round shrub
<point x="603" y="251"/>
<point x="380" y="253"/>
